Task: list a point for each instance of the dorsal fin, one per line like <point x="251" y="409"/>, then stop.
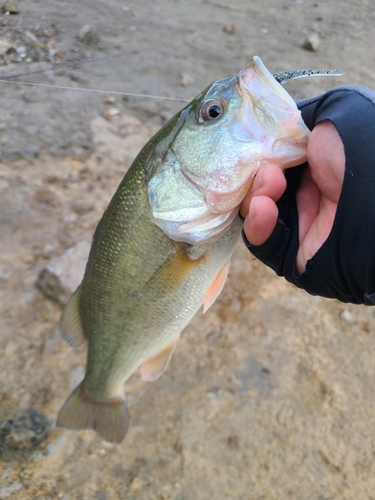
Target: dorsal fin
<point x="70" y="324"/>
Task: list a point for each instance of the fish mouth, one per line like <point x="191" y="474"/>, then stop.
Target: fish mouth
<point x="273" y="108"/>
<point x="255" y="79"/>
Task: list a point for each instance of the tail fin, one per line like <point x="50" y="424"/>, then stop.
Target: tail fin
<point x="109" y="418"/>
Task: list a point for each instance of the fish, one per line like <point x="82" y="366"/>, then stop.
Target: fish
<point x="163" y="246"/>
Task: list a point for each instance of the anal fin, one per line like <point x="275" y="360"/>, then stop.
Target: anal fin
<point x="216" y="287"/>
<point x="153" y="367"/>
<point x="70" y="324"/>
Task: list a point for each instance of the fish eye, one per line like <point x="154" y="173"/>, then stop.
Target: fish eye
<point x="211" y="110"/>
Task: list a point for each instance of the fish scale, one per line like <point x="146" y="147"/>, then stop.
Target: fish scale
<point x="155" y="260"/>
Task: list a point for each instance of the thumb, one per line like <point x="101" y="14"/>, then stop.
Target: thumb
<point x="261" y="219"/>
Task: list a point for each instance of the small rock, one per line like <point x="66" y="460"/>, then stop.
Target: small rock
<point x="186" y="79"/>
<point x="105" y="445"/>
<point x="55" y="448"/>
<point x="88" y="35"/>
<point x="82" y="207"/>
<point x="21" y="433"/>
<point x="21" y="50"/>
<point x="58" y="54"/>
<point x="32" y="39"/>
<point x="112" y="112"/>
<point x="110" y="100"/>
<point x="230" y="29"/>
<point x="347" y="316"/>
<point x="136" y="484"/>
<point x="10" y="6"/>
<point x="5" y="45"/>
<point x="76" y="77"/>
<point x="166" y="492"/>
<point x="62" y="275"/>
<point x="311" y="42"/>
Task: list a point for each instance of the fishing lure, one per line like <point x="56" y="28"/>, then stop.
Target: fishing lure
<point x="286" y="76"/>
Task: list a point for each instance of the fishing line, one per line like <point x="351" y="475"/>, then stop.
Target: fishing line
<point x="282" y="77"/>
<point x="95" y="90"/>
<point x="70" y="64"/>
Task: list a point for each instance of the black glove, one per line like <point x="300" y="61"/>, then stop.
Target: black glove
<point x="344" y="266"/>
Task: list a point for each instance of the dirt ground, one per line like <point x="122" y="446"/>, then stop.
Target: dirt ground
<point x="270" y="395"/>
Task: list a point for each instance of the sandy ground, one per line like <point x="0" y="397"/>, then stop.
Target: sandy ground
<point x="270" y="395"/>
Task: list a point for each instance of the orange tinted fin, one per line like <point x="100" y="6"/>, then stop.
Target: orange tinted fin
<point x="173" y="270"/>
<point x="70" y="324"/>
<point x="152" y="368"/>
<point x="108" y="418"/>
<point x="216" y="287"/>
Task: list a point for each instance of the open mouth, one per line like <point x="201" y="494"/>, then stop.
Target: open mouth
<point x="257" y="80"/>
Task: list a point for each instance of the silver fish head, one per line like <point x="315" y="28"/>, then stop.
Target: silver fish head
<point x="217" y="145"/>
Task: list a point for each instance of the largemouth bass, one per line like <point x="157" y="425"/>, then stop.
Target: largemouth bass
<point x="163" y="246"/>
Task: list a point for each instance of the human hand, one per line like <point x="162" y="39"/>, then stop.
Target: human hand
<point x="316" y="225"/>
<point x="316" y="197"/>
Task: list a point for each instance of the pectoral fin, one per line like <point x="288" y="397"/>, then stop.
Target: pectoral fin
<point x="153" y="367"/>
<point x="216" y="287"/>
<point x="174" y="271"/>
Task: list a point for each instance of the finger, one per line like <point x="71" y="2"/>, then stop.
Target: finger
<point x="308" y="199"/>
<point x="319" y="191"/>
<point x="269" y="181"/>
<point x="326" y="158"/>
<point x="317" y="234"/>
<point x="261" y="220"/>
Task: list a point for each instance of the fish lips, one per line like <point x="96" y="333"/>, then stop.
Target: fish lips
<point x="267" y="106"/>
